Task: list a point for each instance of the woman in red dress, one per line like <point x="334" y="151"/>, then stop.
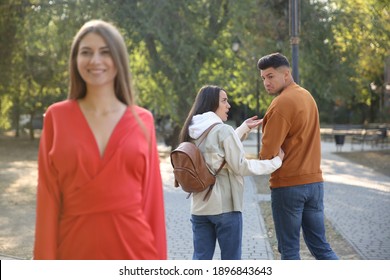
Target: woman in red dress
<point x="100" y="191"/>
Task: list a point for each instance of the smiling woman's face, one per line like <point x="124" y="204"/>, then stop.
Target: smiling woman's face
<point x="224" y="106"/>
<point x="94" y="61"/>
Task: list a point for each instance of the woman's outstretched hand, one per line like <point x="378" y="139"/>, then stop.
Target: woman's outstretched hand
<point x="281" y="154"/>
<point x="253" y="122"/>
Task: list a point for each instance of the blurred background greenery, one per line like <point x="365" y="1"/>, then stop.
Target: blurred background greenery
<point x="176" y="46"/>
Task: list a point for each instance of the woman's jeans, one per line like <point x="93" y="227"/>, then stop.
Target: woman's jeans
<point x="300" y="206"/>
<point x="226" y="228"/>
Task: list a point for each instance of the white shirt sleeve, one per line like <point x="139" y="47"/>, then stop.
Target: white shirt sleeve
<point x="239" y="164"/>
<point x="242" y="131"/>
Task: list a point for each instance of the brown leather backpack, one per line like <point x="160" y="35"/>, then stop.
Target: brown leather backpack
<point x="190" y="168"/>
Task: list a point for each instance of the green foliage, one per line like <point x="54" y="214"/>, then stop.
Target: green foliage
<point x="172" y="40"/>
<point x="176" y="47"/>
<point x="5" y="106"/>
<point x="361" y="41"/>
<point x="34" y="53"/>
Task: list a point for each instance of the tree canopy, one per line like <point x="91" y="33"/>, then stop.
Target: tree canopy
<point x="175" y="47"/>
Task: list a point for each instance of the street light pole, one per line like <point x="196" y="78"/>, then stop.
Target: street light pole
<point x="235" y="48"/>
<point x="294" y="40"/>
<point x="258" y="112"/>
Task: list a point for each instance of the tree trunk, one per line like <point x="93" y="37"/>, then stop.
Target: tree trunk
<point x="31" y="126"/>
<point x="16" y="118"/>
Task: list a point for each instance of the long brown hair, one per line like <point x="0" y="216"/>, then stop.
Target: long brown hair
<point x="116" y="44"/>
<point x="207" y="100"/>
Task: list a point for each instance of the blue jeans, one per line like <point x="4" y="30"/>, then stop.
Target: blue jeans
<point x="300" y="206"/>
<point x="226" y="228"/>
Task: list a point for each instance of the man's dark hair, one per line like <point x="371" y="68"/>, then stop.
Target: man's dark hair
<point x="273" y="60"/>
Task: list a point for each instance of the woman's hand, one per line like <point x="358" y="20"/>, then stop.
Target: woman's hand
<point x="281" y="154"/>
<point x="253" y="122"/>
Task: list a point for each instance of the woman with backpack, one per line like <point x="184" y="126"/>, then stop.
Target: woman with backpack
<point x="220" y="216"/>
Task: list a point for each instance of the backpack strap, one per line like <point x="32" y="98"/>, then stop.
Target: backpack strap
<point x="201" y="138"/>
<point x="204" y="134"/>
<point x="211" y="187"/>
<point x="219" y="169"/>
<point x="216" y="173"/>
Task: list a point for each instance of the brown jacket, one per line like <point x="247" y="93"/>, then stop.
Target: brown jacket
<point x="292" y="123"/>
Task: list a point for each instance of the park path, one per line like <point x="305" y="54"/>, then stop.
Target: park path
<point x="357" y="202"/>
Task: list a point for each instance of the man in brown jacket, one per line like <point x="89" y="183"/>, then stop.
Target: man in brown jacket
<point x="292" y="122"/>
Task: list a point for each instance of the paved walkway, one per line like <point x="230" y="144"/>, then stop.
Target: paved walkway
<point x="255" y="242"/>
<point x="357" y="202"/>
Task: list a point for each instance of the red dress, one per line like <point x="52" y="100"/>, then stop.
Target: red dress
<point x="99" y="207"/>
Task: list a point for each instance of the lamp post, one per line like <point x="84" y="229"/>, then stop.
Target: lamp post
<point x="258" y="112"/>
<point x="382" y="91"/>
<point x="373" y="88"/>
<point x="386" y="100"/>
<point x="294" y="33"/>
<point x="236" y="44"/>
<point x="386" y="92"/>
